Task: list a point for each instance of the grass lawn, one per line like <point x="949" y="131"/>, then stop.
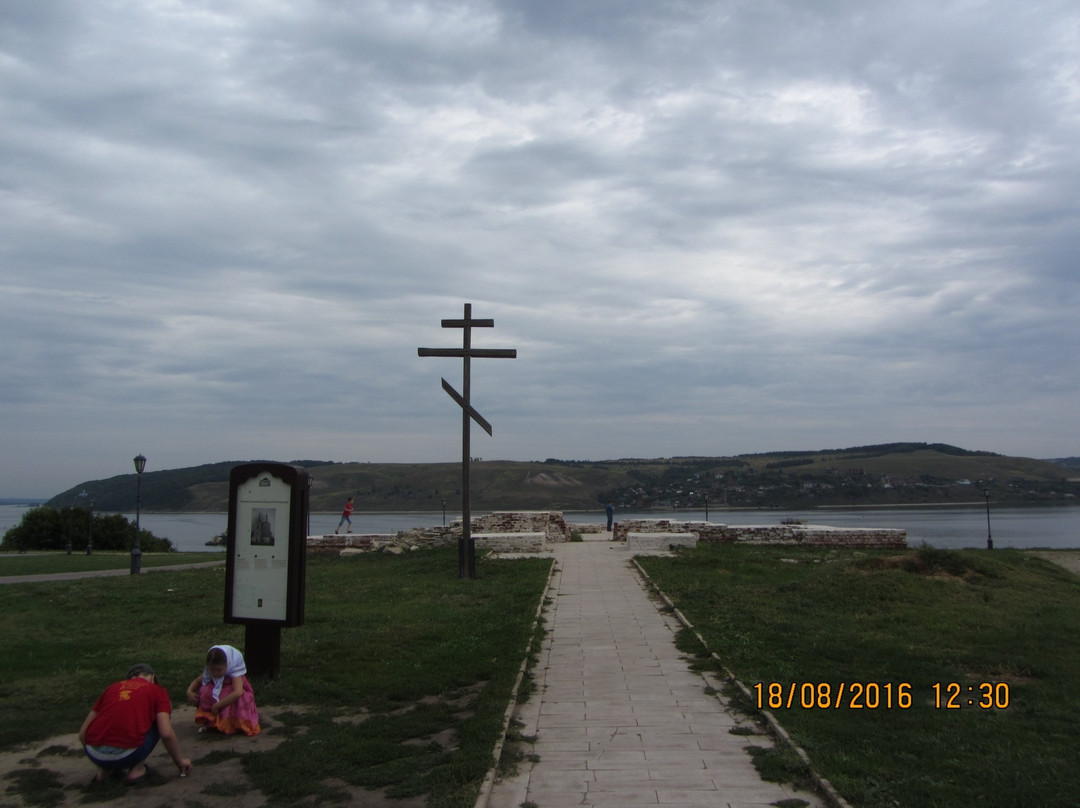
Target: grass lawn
<point x="40" y="563"/>
<point x="397" y="640"/>
<point x="794" y="624"/>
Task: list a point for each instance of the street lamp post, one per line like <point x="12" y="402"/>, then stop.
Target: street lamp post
<point x="444" y="511"/>
<point x="989" y="540"/>
<point x="90" y="535"/>
<point x="706" y="506"/>
<point x="136" y="553"/>
<point x="307" y="527"/>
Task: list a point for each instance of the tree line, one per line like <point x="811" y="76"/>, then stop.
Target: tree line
<point x="47" y="528"/>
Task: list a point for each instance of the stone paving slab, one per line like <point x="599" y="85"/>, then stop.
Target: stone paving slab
<point x="619" y="718"/>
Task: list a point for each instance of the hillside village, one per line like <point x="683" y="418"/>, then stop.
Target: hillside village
<point x="887" y="474"/>
<point x="791" y="488"/>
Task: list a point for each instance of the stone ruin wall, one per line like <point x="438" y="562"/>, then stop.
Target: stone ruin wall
<point x="555" y="529"/>
<point x="797" y="534"/>
<point x="350" y="541"/>
<point x="550" y="523"/>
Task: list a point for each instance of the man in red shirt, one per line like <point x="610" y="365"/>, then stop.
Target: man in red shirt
<point x="125" y="724"/>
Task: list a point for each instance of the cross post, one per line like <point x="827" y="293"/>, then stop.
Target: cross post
<point x="466" y="547"/>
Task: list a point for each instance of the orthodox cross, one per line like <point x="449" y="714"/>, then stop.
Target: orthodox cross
<point x="466" y="548"/>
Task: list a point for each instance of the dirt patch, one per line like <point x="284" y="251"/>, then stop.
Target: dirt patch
<point x="552" y="480"/>
<point x="217" y="772"/>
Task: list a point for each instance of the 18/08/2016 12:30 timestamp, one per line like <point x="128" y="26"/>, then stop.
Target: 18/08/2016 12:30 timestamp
<point x="877" y="695"/>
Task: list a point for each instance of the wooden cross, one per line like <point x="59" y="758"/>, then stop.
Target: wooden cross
<point x="466" y="548"/>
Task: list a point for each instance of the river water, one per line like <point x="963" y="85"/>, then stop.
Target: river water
<point x="946" y="527"/>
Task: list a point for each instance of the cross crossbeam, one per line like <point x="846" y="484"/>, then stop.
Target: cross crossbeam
<point x="482" y="353"/>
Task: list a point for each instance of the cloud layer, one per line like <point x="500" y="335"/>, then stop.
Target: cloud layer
<point x="707" y="228"/>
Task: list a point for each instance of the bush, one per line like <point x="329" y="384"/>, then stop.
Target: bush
<point x="51" y="529"/>
<point x="929" y="560"/>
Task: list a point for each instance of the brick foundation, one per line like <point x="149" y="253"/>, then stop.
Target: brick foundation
<point x="641" y="542"/>
<point x="338" y="542"/>
<point x="509" y="542"/>
<point x="550" y="523"/>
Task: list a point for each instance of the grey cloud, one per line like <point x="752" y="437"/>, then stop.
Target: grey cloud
<point x="709" y="227"/>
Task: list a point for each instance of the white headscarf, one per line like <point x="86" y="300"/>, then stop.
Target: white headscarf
<point x="234" y="666"/>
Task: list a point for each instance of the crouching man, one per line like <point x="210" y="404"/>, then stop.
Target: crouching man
<point x="125" y="724"/>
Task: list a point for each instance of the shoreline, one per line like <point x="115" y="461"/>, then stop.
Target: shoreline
<point x="693" y="509"/>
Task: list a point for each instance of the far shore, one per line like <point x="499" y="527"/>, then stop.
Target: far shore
<point x="717" y="508"/>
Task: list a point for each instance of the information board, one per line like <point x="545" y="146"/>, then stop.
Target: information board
<point x="266" y="544"/>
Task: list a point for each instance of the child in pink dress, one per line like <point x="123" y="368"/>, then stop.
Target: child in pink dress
<point x="222" y="695"/>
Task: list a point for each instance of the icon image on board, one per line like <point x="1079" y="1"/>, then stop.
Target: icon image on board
<point x="263" y="526"/>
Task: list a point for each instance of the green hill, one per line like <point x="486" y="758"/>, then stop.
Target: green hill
<point x="897" y="473"/>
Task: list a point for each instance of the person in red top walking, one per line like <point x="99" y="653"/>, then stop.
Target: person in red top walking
<point x="125" y="724"/>
<point x="346" y="516"/>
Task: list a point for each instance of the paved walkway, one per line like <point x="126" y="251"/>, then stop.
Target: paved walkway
<point x="619" y="718"/>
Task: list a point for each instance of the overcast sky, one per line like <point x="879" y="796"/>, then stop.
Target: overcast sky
<point x="708" y="228"/>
